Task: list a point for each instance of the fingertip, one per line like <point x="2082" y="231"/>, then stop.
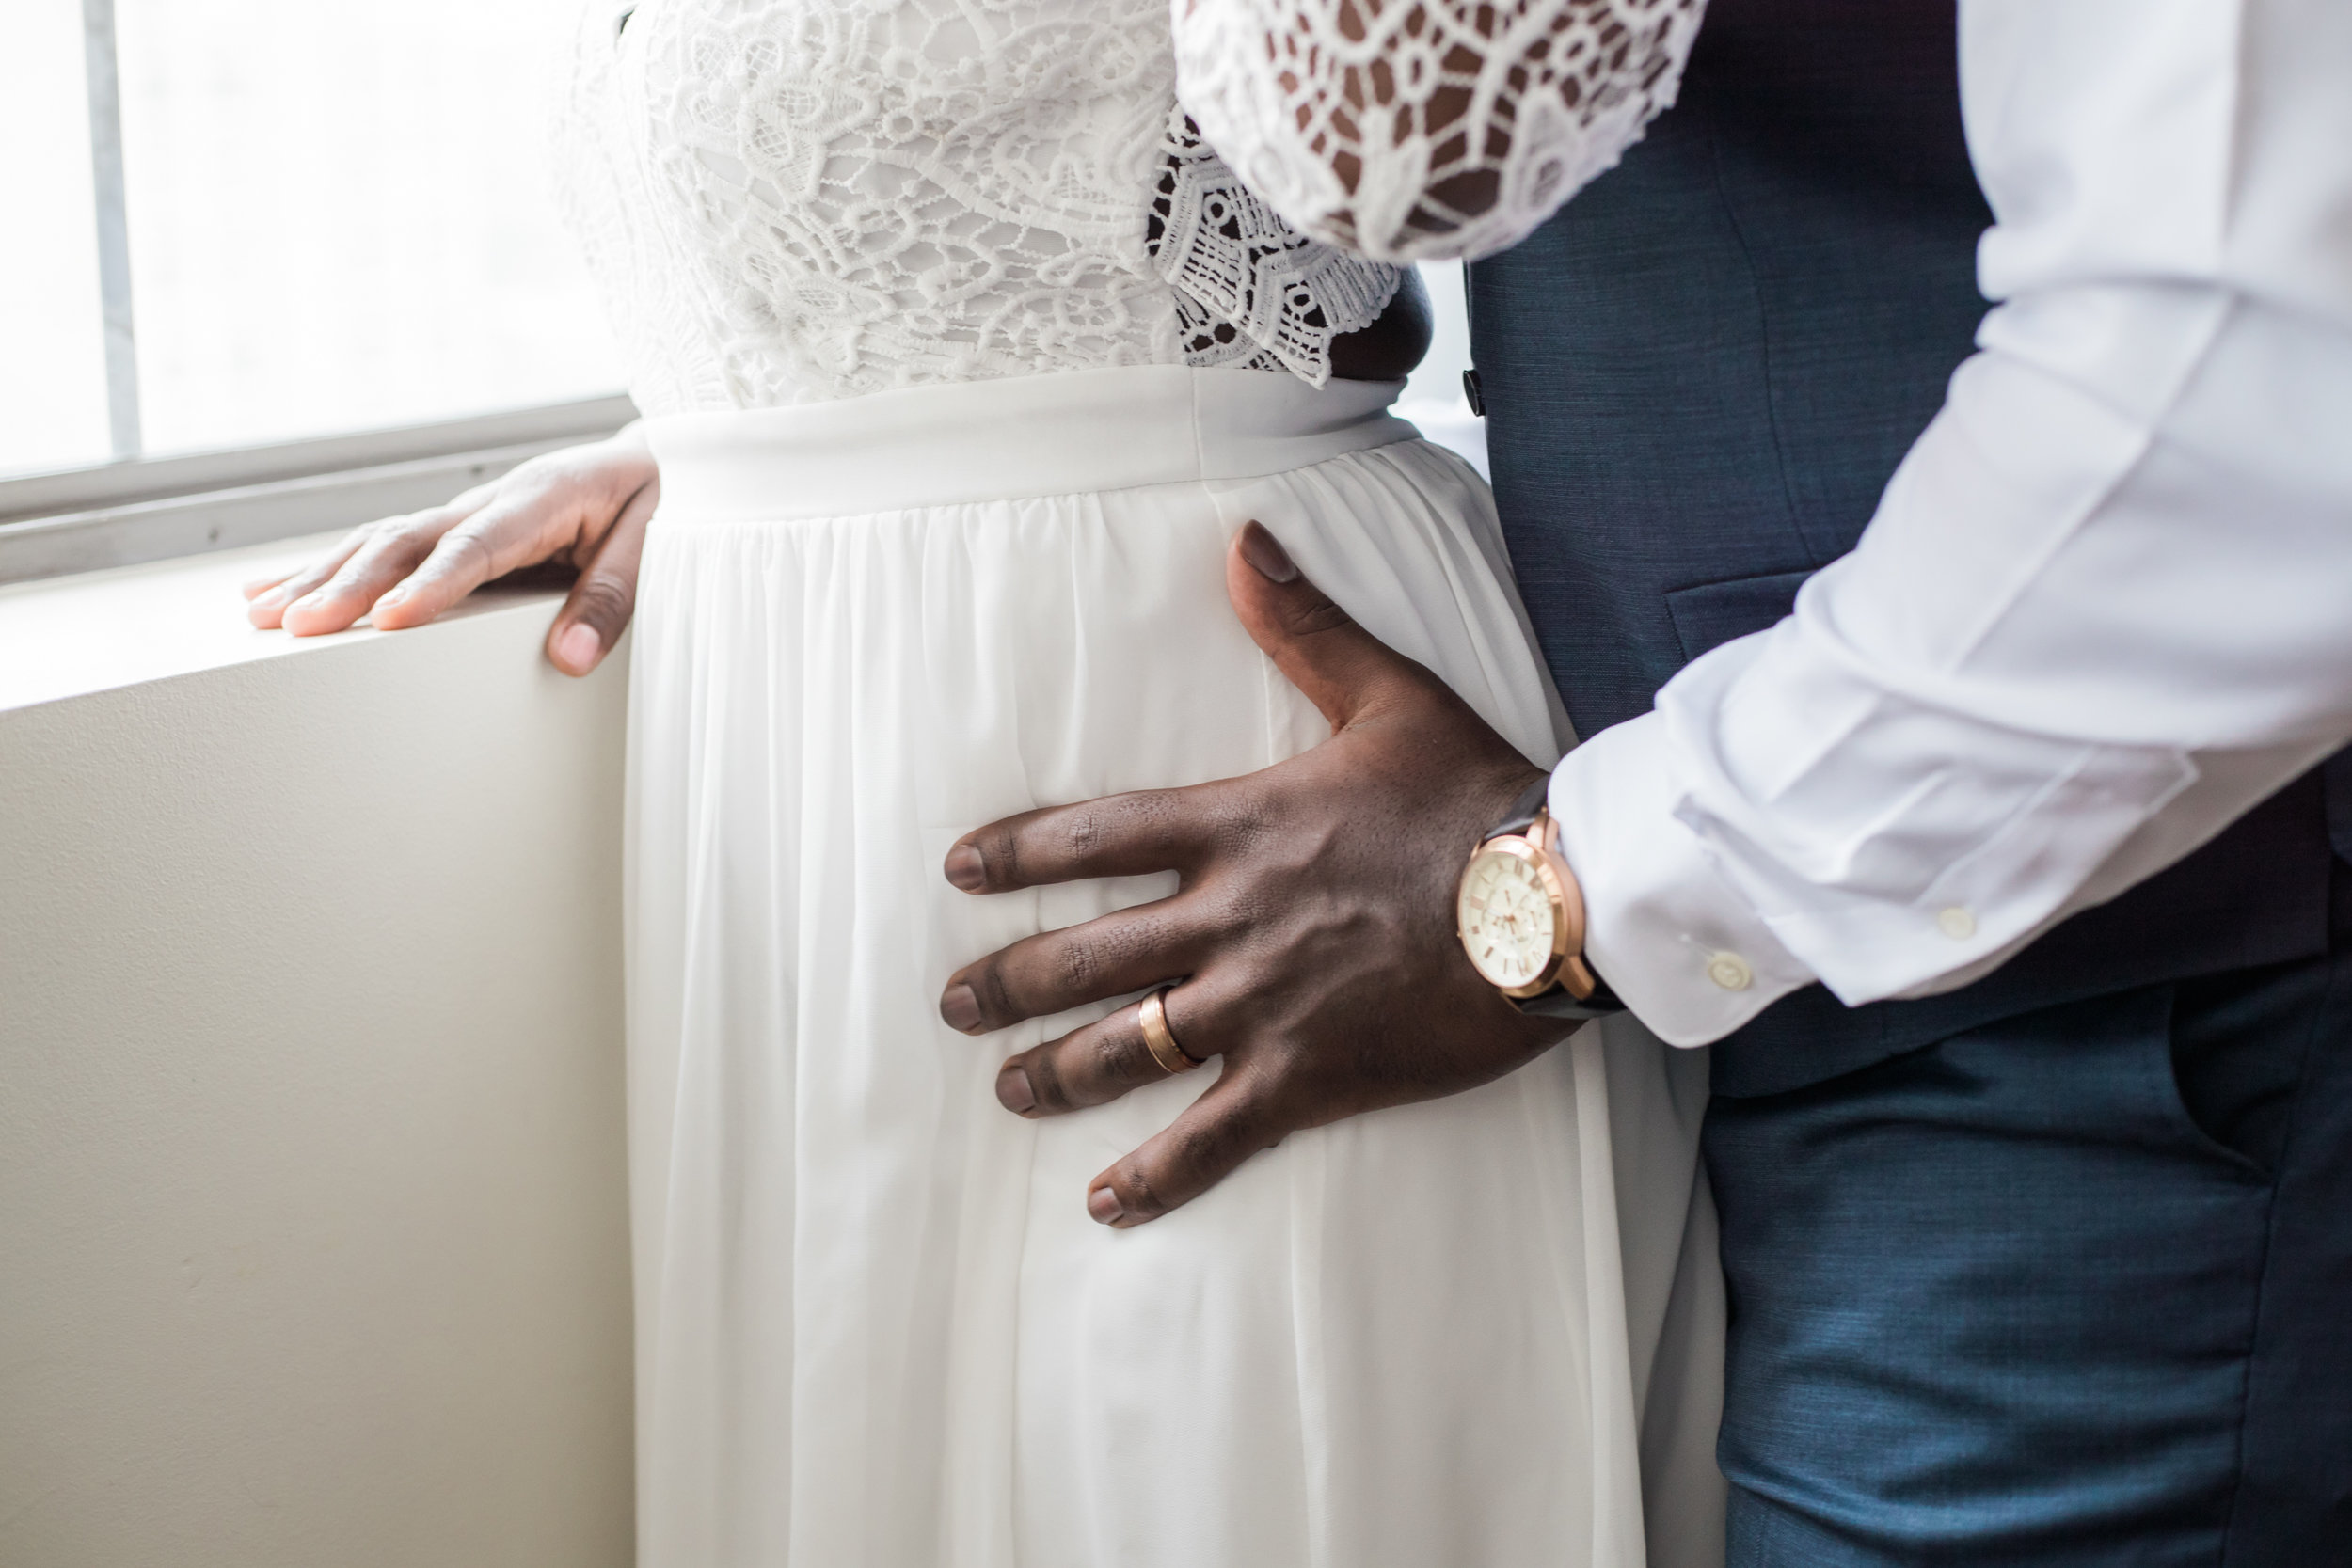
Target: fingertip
<point x="395" y="611"/>
<point x="1265" y="553"/>
<point x="959" y="1009"/>
<point x="1013" y="1090"/>
<point x="1103" y="1207"/>
<point x="304" y="617"/>
<point x="966" y="869"/>
<point x="576" y="649"/>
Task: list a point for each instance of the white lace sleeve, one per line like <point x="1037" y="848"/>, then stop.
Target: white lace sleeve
<point x="1407" y="130"/>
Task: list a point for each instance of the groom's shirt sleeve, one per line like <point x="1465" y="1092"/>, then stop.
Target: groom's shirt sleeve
<point x="2105" y="604"/>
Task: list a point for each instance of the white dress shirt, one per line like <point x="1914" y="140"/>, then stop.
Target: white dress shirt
<point x="2105" y="604"/>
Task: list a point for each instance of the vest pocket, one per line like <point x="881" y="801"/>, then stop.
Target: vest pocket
<point x="1714" y="614"/>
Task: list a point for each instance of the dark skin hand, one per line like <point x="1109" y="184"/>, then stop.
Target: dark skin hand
<point x="1390" y="348"/>
<point x="1313" y="929"/>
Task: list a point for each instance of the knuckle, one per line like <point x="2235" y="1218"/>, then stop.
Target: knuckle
<point x="998" y="1007"/>
<point x="538" y="473"/>
<point x="633" y="510"/>
<point x="387" y="530"/>
<point x="1229" y="1139"/>
<point x="468" y="549"/>
<point x="604" y="601"/>
<point x="1241" y="825"/>
<point x="1274" y="1105"/>
<point x="1317" y="612"/>
<point x="418" y="541"/>
<point x="1080" y="966"/>
<point x="1142" y="1195"/>
<point x="350" y="576"/>
<point x="1045" y="1080"/>
<point x="1228" y="905"/>
<point x="1000" y="855"/>
<point x="396" y="545"/>
<point x="1082" y="831"/>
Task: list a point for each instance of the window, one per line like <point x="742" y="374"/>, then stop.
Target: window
<point x="279" y="266"/>
<point x="246" y="224"/>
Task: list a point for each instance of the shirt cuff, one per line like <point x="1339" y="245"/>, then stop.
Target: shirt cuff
<point x="1685" y="953"/>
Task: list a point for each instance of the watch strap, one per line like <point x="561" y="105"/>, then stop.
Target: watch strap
<point x="1524" y="810"/>
<point x="1559" y="1002"/>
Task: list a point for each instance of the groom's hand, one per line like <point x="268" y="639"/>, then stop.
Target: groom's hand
<point x="1313" y="929"/>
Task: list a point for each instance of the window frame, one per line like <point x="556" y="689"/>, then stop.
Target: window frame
<point x="130" y="512"/>
<point x="135" y="509"/>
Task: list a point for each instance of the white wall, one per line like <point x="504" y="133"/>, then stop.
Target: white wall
<point x="1432" y="397"/>
<point x="312" y="1225"/>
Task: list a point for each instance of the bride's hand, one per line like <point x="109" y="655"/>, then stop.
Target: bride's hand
<point x="585" y="507"/>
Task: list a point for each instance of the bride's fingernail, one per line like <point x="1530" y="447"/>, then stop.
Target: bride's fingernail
<point x="1264" y="552"/>
<point x="965" y="868"/>
<point x="960" y="1007"/>
<point x="1104" y="1205"/>
<point x="578" y="647"/>
<point x="1013" y="1092"/>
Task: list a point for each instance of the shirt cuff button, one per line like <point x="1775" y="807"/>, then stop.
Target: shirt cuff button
<point x="1957" y="924"/>
<point x="1730" y="971"/>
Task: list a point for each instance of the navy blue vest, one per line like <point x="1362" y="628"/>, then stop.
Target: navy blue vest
<point x="1698" y="379"/>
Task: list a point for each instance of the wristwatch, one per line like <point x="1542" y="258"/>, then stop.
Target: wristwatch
<point x="1521" y="916"/>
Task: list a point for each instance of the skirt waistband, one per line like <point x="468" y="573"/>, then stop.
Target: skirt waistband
<point x="1111" y="429"/>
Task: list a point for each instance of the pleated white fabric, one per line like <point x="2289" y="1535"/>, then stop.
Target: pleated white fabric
<point x="875" y="1324"/>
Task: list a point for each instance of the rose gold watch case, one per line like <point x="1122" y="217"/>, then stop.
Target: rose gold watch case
<point x="1567" y="967"/>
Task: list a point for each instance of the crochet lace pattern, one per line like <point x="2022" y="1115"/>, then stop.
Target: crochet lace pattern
<point x="1407" y="130"/>
<point x="1251" y="289"/>
<point x="798" y="200"/>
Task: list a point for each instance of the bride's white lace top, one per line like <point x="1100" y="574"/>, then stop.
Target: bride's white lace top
<point x="796" y="200"/>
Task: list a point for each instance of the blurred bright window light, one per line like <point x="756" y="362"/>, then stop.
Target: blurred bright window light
<point x="338" y="220"/>
<point x="53" y="369"/>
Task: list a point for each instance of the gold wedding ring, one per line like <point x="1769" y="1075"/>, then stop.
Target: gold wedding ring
<point x="1160" y="1040"/>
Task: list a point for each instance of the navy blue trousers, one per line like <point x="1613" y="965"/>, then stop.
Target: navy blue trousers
<point x="2073" y="1288"/>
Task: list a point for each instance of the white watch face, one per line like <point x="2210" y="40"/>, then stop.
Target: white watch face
<point x="1507" y="918"/>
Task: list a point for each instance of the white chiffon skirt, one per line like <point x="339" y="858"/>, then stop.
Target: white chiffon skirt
<point x="875" y="1324"/>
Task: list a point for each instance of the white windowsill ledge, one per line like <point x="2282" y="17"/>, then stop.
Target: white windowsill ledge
<point x="70" y="637"/>
<point x="310" y="1083"/>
